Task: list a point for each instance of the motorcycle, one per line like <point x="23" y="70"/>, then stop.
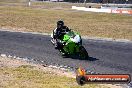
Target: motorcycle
<point x="71" y="44"/>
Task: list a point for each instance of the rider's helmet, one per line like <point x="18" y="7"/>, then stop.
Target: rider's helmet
<point x="60" y="24"/>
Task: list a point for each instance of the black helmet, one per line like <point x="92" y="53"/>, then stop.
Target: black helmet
<point x="60" y="23"/>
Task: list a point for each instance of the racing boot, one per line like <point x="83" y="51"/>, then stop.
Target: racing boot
<point x="56" y="44"/>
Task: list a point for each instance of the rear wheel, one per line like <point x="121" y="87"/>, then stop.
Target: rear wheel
<point x="83" y="53"/>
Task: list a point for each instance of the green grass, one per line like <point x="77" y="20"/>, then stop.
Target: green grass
<point x="28" y="77"/>
<point x="36" y="19"/>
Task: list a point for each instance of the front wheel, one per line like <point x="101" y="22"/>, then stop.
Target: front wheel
<point x="83" y="53"/>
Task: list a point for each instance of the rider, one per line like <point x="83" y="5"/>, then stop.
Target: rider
<point x="59" y="31"/>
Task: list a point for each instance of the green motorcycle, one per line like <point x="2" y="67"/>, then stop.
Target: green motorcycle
<point x="71" y="44"/>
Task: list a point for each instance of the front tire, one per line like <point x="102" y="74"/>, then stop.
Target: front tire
<point x="83" y="53"/>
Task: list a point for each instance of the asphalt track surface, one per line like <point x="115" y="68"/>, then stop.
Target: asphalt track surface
<point x="105" y="56"/>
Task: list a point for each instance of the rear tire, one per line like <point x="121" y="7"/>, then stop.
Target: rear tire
<point x="83" y="53"/>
